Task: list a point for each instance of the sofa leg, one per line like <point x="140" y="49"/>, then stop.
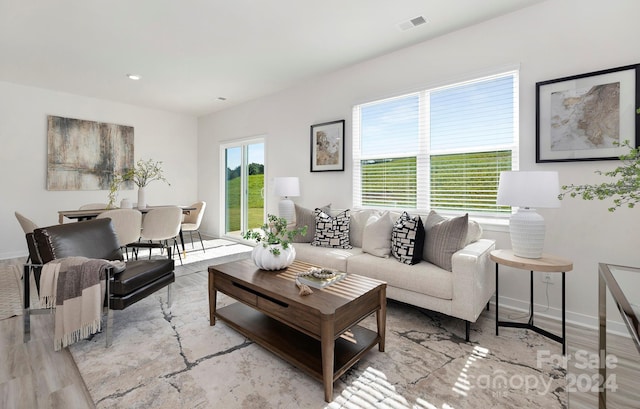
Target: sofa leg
<point x="467" y="326"/>
<point x="488" y="304"/>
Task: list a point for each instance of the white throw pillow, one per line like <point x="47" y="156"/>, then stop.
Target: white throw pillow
<point x="376" y="239"/>
<point x="474" y="232"/>
<point x="359" y="219"/>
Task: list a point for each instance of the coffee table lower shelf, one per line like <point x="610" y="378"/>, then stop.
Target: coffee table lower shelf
<point x="295" y="347"/>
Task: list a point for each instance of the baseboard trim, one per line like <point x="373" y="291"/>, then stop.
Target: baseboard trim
<point x="553" y="315"/>
<point x="14" y="255"/>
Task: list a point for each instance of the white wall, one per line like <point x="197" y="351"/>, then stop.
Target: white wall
<point x="164" y="136"/>
<point x="550" y="40"/>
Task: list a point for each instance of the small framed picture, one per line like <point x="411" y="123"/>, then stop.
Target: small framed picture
<point x="582" y="117"/>
<point x="327" y="146"/>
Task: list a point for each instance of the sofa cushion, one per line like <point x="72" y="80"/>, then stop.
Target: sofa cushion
<point x="474" y="232"/>
<point x="357" y="224"/>
<point x="307" y="217"/>
<point x="407" y="239"/>
<point x="376" y="238"/>
<point x="443" y="238"/>
<point x="325" y="257"/>
<point x="332" y="231"/>
<point x="423" y="278"/>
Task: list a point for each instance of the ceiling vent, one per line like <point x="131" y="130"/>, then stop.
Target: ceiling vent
<point x="411" y="23"/>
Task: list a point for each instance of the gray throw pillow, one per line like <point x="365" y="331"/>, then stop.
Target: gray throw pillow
<point x="443" y="238"/>
<point x="307" y="217"/>
<point x="332" y="231"/>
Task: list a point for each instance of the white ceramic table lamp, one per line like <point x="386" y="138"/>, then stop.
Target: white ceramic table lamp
<point x="528" y="190"/>
<point x="287" y="187"/>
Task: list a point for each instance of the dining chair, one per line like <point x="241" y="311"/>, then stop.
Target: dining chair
<point x="192" y="220"/>
<point x="161" y="225"/>
<point x="92" y="206"/>
<point x="127" y="223"/>
<point x="27" y="225"/>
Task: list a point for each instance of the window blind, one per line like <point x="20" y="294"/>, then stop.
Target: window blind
<point x="468" y="181"/>
<point x="441" y="148"/>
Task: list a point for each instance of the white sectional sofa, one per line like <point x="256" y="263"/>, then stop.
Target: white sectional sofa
<point x="462" y="292"/>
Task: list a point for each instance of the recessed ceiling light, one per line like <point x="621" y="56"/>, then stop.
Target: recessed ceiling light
<point x="134" y="77"/>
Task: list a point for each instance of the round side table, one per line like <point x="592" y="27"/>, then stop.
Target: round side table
<point x="546" y="264"/>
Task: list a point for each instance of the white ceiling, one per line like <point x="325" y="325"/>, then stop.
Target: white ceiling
<point x="190" y="52"/>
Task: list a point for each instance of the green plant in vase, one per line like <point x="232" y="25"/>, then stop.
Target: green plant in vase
<point x="143" y="173"/>
<point x="625" y="190"/>
<point x="274" y="232"/>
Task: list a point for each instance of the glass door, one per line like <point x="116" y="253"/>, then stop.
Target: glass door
<point x="243" y="186"/>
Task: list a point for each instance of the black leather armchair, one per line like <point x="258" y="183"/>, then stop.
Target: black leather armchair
<point x="97" y="239"/>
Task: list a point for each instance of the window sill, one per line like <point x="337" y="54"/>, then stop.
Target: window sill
<point x="493" y="224"/>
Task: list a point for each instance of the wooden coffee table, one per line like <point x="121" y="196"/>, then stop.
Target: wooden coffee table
<point x="317" y="333"/>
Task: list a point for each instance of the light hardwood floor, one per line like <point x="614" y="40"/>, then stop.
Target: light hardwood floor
<point x="32" y="375"/>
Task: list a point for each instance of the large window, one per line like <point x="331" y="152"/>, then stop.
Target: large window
<point x="440" y="149"/>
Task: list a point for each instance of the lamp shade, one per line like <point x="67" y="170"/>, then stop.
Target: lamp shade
<point x="287" y="186"/>
<point x="529" y="189"/>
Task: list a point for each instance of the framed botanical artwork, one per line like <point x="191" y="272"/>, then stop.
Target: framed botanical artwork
<point x="585" y="116"/>
<point x="327" y="146"/>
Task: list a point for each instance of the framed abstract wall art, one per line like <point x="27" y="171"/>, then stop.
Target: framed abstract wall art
<point x="84" y="155"/>
<point x="583" y="117"/>
<point x="327" y="146"/>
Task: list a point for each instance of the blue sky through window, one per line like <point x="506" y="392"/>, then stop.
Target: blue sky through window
<point x="256" y="155"/>
<point x="390" y="127"/>
<point x="477" y="114"/>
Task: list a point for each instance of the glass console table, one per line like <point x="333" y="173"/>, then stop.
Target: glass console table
<point x="615" y="278"/>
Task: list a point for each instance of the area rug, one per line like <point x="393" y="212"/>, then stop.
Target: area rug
<point x="10" y="292"/>
<point x="163" y="358"/>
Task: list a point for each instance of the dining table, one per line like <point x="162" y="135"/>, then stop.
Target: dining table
<point x="88" y="214"/>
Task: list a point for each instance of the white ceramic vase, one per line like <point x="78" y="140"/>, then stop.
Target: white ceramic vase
<point x="125" y="204"/>
<point x="142" y="200"/>
<point x="265" y="260"/>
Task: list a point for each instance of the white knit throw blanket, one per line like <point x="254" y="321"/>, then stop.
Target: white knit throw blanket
<point x="76" y="287"/>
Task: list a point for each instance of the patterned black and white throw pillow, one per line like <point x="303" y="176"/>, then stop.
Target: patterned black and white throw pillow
<point x="332" y="231"/>
<point x="407" y="239"/>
